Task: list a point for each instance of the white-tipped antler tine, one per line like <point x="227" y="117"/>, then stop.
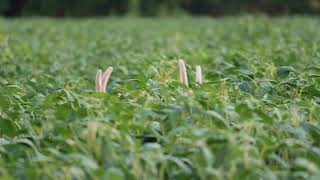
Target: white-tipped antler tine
<point x="198" y="74"/>
<point x="98" y="80"/>
<point x="183" y="72"/>
<point x="105" y="78"/>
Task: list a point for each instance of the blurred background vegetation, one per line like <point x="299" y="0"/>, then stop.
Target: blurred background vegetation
<point x="81" y="8"/>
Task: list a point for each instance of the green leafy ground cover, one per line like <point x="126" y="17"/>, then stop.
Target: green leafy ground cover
<point x="256" y="116"/>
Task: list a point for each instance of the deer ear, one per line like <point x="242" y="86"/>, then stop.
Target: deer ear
<point x="183" y="72"/>
<point x="98" y="80"/>
<point x="105" y="78"/>
<point x="198" y="75"/>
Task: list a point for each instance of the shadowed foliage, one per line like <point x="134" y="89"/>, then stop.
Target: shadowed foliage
<point x="82" y="8"/>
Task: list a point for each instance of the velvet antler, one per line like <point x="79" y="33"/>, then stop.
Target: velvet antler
<point x="198" y="74"/>
<point x="105" y="78"/>
<point x="98" y="80"/>
<point x="183" y="72"/>
<point x="102" y="79"/>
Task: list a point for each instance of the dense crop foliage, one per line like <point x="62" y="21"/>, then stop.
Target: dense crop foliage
<point x="257" y="115"/>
